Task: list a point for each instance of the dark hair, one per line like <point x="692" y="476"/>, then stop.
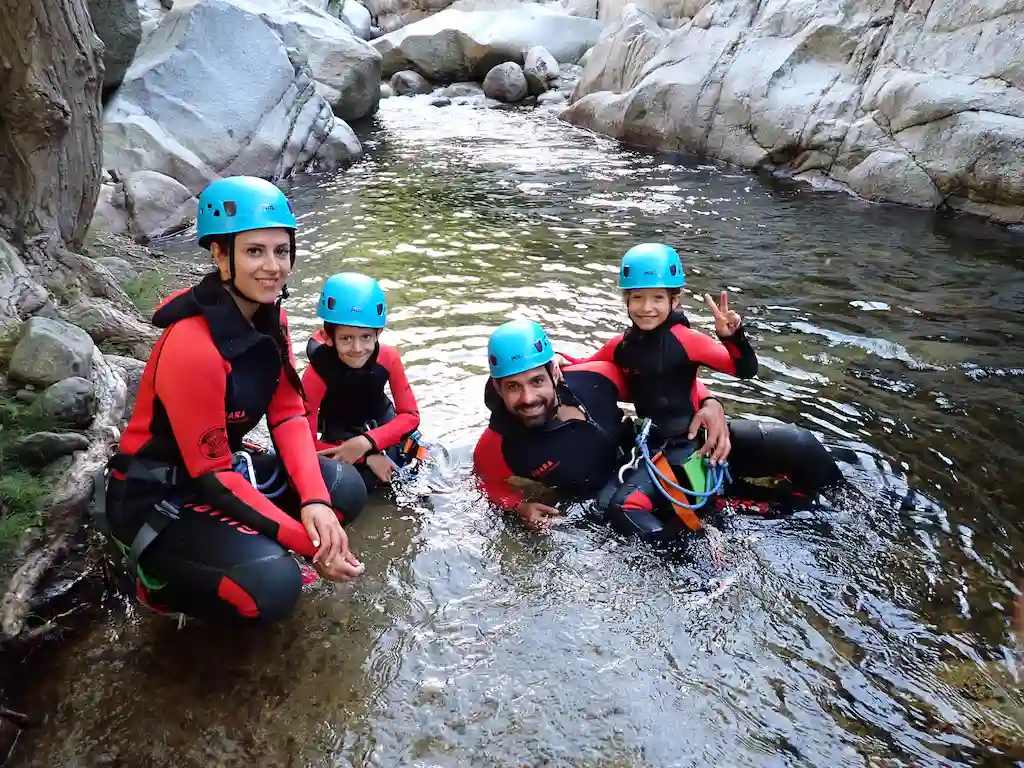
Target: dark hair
<point x="273" y="326"/>
<point x="672" y="292"/>
<point x="331" y="328"/>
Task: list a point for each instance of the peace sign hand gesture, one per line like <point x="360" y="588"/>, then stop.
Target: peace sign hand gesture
<point x="726" y="320"/>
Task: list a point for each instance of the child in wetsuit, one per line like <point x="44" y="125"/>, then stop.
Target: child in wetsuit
<point x="350" y="416"/>
<point x="659" y="356"/>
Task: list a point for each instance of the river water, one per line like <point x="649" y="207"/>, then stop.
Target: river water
<point x="873" y="632"/>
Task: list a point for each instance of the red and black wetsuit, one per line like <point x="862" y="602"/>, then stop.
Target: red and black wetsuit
<point x="661" y="365"/>
<point x="211" y="377"/>
<point x="578" y="456"/>
<point x="344" y="402"/>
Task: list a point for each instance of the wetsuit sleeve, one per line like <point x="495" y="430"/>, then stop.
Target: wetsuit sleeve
<point x="610" y="371"/>
<point x="407" y="413"/>
<point x="190" y="382"/>
<point x="315" y="389"/>
<point x="286" y="418"/>
<point x="733" y="355"/>
<point x="493" y="473"/>
<point x="605" y="354"/>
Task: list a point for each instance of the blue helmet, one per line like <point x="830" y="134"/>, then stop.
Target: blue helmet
<point x="517" y="346"/>
<point x="651" y="265"/>
<point x="349" y="298"/>
<point x="240" y="203"/>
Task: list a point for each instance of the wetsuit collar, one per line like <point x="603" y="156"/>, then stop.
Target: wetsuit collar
<point x="676" y="317"/>
<point x="232" y="334"/>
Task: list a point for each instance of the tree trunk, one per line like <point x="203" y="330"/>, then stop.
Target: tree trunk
<point x="51" y="123"/>
<point x="51" y="120"/>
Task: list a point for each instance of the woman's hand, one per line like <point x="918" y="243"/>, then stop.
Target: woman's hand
<point x="349" y="451"/>
<point x="726" y="320"/>
<point x="325" y="532"/>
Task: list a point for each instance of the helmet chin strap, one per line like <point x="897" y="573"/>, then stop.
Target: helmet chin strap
<point x="233" y="287"/>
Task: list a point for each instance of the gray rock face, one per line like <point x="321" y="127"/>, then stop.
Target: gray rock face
<point x="920" y="103"/>
<point x="71" y="401"/>
<point x="118" y="25"/>
<point x="465" y="45"/>
<point x="193" y="108"/>
<point x="506" y="82"/>
<point x="49" y="351"/>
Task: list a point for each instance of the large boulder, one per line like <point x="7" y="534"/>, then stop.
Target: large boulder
<point x="465" y="45"/>
<point x="337" y="58"/>
<point x="49" y="351"/>
<point x="919" y="103"/>
<point x="157" y="205"/>
<point x="118" y="25"/>
<point x="197" y="103"/>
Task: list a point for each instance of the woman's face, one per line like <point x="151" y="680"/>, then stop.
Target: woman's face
<point x="262" y="263"/>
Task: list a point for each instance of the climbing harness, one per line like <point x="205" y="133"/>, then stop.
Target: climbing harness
<point x="699" y="471"/>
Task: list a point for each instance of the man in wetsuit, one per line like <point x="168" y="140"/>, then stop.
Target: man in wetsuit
<point x="570" y="434"/>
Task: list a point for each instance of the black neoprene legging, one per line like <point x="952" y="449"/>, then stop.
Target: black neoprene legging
<point x="206" y="565"/>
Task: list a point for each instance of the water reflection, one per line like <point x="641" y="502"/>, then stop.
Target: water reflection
<point x="874" y="632"/>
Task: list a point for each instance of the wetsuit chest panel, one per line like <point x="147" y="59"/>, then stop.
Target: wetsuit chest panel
<point x="659" y="373"/>
<point x="252" y="380"/>
<point x="354" y="395"/>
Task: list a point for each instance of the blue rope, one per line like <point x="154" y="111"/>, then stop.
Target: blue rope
<point x="719" y="474"/>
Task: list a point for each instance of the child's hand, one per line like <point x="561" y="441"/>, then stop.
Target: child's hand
<point x="556" y="367"/>
<point x="382" y="466"/>
<point x="726" y="320"/>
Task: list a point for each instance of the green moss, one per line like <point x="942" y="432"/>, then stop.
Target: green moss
<point x="145" y="292"/>
<point x="22" y="491"/>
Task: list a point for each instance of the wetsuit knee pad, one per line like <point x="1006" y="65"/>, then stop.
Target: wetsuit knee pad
<point x="265" y="590"/>
<point x="632" y="511"/>
<point x="345" y="486"/>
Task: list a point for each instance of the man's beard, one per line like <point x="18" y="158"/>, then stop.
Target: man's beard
<point x="545" y="414"/>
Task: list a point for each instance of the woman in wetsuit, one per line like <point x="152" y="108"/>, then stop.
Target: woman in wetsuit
<point x="182" y="502"/>
<point x="659" y="356"/>
<point x="350" y="417"/>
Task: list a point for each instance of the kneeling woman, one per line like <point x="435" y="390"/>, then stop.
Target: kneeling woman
<point x="199" y="536"/>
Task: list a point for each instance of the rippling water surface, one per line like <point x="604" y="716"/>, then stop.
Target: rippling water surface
<point x="870" y="633"/>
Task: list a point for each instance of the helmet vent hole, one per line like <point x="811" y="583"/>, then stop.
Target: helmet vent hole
<point x="331" y="302"/>
<point x="230" y="208"/>
<point x="217" y="212"/>
<point x="494" y="359"/>
<point x="380" y="309"/>
<point x="625" y="271"/>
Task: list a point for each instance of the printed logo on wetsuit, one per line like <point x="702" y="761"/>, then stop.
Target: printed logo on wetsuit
<point x="544" y="468"/>
<point x="235" y="416"/>
<point x="214" y="443"/>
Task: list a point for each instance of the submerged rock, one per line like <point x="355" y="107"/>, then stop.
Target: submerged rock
<point x="408" y="82"/>
<point x="920" y="104"/>
<point x="506" y="82"/>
